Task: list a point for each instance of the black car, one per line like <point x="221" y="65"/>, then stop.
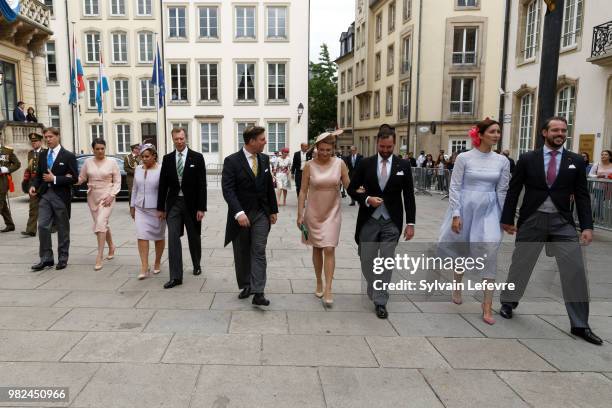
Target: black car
<point x="80" y="192"/>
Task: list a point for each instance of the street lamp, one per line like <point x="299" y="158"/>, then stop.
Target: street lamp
<point x="300" y="111"/>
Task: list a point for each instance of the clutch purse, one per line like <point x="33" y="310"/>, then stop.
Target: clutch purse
<point x="304" y="230"/>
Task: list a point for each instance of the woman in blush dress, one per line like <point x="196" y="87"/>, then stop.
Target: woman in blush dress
<point x="281" y="170"/>
<point x="103" y="182"/>
<point x="143" y="209"/>
<point x="319" y="216"/>
<point x="479" y="183"/>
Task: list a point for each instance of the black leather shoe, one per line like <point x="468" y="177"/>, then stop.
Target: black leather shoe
<point x="506" y="310"/>
<point x="28" y="234"/>
<point x="8" y="229"/>
<point x="197" y="271"/>
<point x="381" y="311"/>
<point x="42" y="265"/>
<point x="61" y="265"/>
<point x="172" y="283"/>
<point x="245" y="293"/>
<point x="260" y="300"/>
<point x="587" y="335"/>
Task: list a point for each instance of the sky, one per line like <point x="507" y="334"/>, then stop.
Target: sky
<point x="328" y="19"/>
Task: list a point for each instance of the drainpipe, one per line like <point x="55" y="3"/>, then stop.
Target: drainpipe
<point x="418" y="77"/>
<point x="504" y="73"/>
<point x="74" y="135"/>
<point x="163" y="58"/>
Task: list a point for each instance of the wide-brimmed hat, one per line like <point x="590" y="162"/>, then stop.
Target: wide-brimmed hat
<point x="285" y="150"/>
<point x="329" y="137"/>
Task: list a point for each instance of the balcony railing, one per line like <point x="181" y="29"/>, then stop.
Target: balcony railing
<point x="36" y="11"/>
<point x="602" y="40"/>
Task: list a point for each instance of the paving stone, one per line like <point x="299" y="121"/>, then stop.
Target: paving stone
<point x="489" y="354"/>
<point x="339" y="323"/>
<point x="29" y="318"/>
<point x="86" y="282"/>
<point x="228" y="284"/>
<point x="431" y="324"/>
<point x="308" y="350"/>
<point x="361" y="303"/>
<point x="601" y="325"/>
<point x="101" y="299"/>
<point x="234" y="349"/>
<point x="526" y="326"/>
<point x="259" y="322"/>
<point x="92" y="319"/>
<point x="120" y="348"/>
<point x="27" y="297"/>
<point x="23" y="282"/>
<point x="189" y="321"/>
<point x="572" y="354"/>
<point x="190" y="283"/>
<point x="472" y="388"/>
<point x="372" y="387"/>
<point x="259" y="387"/>
<point x="344" y="286"/>
<point x="278" y="301"/>
<point x="156" y="299"/>
<point x="561" y="389"/>
<point x="28" y="345"/>
<point x="405" y="352"/>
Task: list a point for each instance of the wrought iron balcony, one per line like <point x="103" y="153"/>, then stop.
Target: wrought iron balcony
<point x="601" y="50"/>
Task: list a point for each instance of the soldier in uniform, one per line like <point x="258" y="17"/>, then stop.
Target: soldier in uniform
<point x="130" y="162"/>
<point x="28" y="177"/>
<point x="8" y="164"/>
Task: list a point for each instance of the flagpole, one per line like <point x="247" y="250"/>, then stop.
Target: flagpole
<point x="156" y="62"/>
<point x="76" y="86"/>
<point x="101" y="82"/>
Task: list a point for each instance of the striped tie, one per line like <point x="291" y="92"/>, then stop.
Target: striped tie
<point x="179" y="165"/>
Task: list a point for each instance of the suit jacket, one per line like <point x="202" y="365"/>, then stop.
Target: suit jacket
<point x="8" y="159"/>
<point x="19" y="115"/>
<point x="296" y="164"/>
<point x="529" y="172"/>
<point x="244" y="192"/>
<point x="349" y="163"/>
<point x="398" y="186"/>
<point x="193" y="184"/>
<point x="66" y="174"/>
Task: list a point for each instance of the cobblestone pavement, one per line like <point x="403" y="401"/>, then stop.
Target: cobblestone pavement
<point x="119" y="342"/>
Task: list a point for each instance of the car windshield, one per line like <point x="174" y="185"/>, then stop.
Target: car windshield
<point x="81" y="160"/>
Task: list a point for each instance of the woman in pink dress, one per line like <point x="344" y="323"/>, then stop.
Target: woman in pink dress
<point x="319" y="217"/>
<point x="103" y="182"/>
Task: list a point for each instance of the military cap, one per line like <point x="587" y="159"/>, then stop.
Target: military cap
<point x="35" y="137"/>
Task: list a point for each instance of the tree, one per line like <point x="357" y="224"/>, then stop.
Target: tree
<point x="322" y="94"/>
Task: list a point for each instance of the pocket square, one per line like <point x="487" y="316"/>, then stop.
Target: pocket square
<point x="266" y="170"/>
<point x="571" y="166"/>
<point x="400" y="173"/>
<point x="193" y="165"/>
<point x="61" y="164"/>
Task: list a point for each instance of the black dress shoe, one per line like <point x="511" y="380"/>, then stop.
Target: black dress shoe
<point x="506" y="310"/>
<point x="28" y="234"/>
<point x="260" y="300"/>
<point x="587" y="335"/>
<point x="197" y="271"/>
<point x="8" y="229"/>
<point x="381" y="311"/>
<point x="61" y="265"/>
<point x="172" y="283"/>
<point x="42" y="265"/>
<point x="245" y="293"/>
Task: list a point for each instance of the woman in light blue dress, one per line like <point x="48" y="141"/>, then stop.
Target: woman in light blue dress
<point x="478" y="189"/>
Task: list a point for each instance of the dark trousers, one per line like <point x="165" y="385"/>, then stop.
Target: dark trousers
<point x="5" y="211"/>
<point x="562" y="242"/>
<point x="250" y="252"/>
<point x="378" y="237"/>
<point x="298" y="181"/>
<point x="52" y="212"/>
<point x="178" y="219"/>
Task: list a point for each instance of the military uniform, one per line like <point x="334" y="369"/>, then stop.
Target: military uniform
<point x="130" y="162"/>
<point x="28" y="177"/>
<point x="9" y="163"/>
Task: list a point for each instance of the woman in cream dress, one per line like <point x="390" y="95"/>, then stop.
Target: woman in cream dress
<point x="281" y="170"/>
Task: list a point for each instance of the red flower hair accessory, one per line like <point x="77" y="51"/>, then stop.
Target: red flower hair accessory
<point x="474" y="136"/>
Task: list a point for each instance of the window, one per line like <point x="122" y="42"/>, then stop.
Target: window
<point x="407" y="9"/>
<point x="178" y="82"/>
<point x="145" y="8"/>
<point x="406" y="54"/>
<point x="566" y="107"/>
<point x="91" y="8"/>
<point x="145" y="48"/>
<point x="358" y="37"/>
<point x="343" y="82"/>
<point x="404" y="99"/>
<point x="467" y="3"/>
<point x="572" y="23"/>
<point x="49" y="4"/>
<point x="526" y="123"/>
<point x="96" y="131"/>
<point x="277" y="23"/>
<point x="349" y="113"/>
<point x="245" y="79"/>
<point x="389" y="101"/>
<point x="363" y="34"/>
<point x="358" y="72"/>
<point x="54" y="116"/>
<point x="458" y="145"/>
<point x="342" y="115"/>
<point x="378" y="26"/>
<point x="92" y="44"/>
<point x="209" y="22"/>
<point x="123" y="132"/>
<point x="364" y="107"/>
<point x="176" y="22"/>
<point x="462" y="96"/>
<point x="117" y="8"/>
<point x="240" y="127"/>
<point x="119" y="41"/>
<point x="377" y="67"/>
<point x="122" y="96"/>
<point x="245" y="22"/>
<point x="390" y="59"/>
<point x="51" y="62"/>
<point x="91" y="93"/>
<point x="464" y="46"/>
<point x="8" y="91"/>
<point x="209" y="82"/>
<point x="391" y="17"/>
<point x="209" y="132"/>
<point x="183" y="125"/>
<point x="148" y="132"/>
<point x="147" y="94"/>
<point x="276" y="82"/>
<point x="277" y="136"/>
<point x="377" y="104"/>
<point x="532" y="28"/>
<point x="349" y="78"/>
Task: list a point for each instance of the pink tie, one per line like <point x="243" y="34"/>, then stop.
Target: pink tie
<point x="383" y="174"/>
<point x="551" y="172"/>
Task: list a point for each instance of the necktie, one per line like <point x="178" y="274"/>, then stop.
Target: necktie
<point x="179" y="165"/>
<point x="383" y="175"/>
<point x="50" y="159"/>
<point x="353" y="161"/>
<point x="254" y="165"/>
<point x="551" y="172"/>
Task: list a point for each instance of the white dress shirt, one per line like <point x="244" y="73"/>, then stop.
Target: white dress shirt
<point x="303" y="160"/>
<point x="184" y="153"/>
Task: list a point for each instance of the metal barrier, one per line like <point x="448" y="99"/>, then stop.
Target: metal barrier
<point x="601" y="202"/>
<point x="431" y="180"/>
<point x="213" y="173"/>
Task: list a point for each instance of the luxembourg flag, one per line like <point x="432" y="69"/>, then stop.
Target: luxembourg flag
<point x="102" y="85"/>
<point x="77" y="84"/>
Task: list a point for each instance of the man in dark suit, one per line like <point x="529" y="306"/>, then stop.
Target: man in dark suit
<point x="379" y="184"/>
<point x="352" y="161"/>
<point x="182" y="201"/>
<point x="19" y="114"/>
<point x="551" y="176"/>
<point x="56" y="173"/>
<point x="249" y="192"/>
<point x="297" y="165"/>
<point x="510" y="159"/>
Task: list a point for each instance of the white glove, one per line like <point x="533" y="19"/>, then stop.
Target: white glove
<point x="4" y="170"/>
